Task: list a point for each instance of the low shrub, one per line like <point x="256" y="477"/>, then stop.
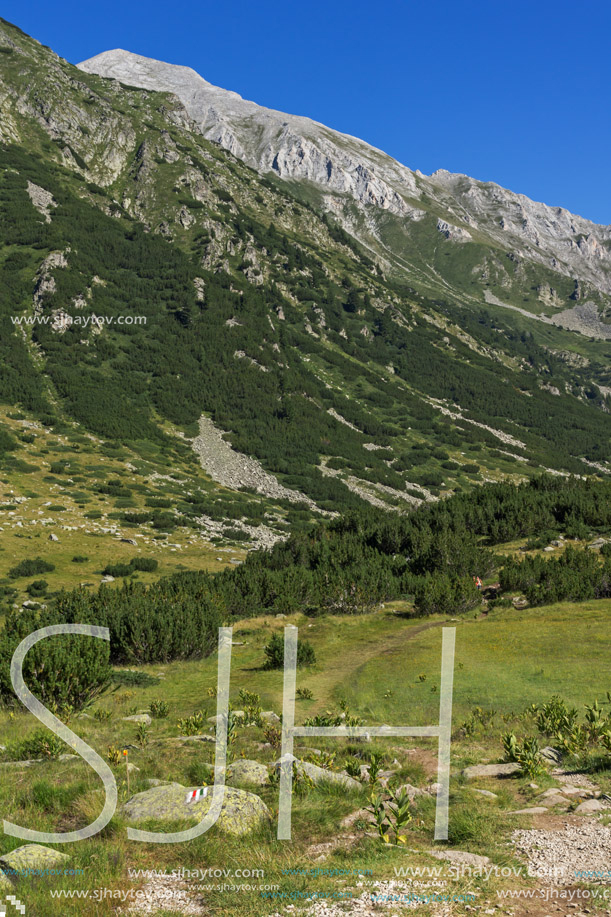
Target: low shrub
<point x="30" y="567"/>
<point x="274" y="652"/>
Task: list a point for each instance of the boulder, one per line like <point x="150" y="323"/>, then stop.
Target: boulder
<point x="581" y="791"/>
<point x="557" y="799"/>
<point x="491" y="770"/>
<point x="551" y="754"/>
<point x="246" y="771"/>
<point x="320" y="774"/>
<point x="241" y="812"/>
<point x="268" y="716"/>
<point x="31" y="859"/>
<point x="412" y="791"/>
<point x="591" y="805"/>
<point x="6" y="886"/>
<point x="139" y="718"/>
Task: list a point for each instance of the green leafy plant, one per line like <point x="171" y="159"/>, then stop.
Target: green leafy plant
<point x="273" y="734"/>
<point x="352" y="766"/>
<point x="378" y="810"/>
<point x="159" y="708"/>
<point x="114" y="755"/>
<point x="323" y="759"/>
<point x="101" y="714"/>
<point x="375" y="766"/>
<point x="251" y="703"/>
<point x="40" y="744"/>
<point x="192" y="725"/>
<point x="526" y="754"/>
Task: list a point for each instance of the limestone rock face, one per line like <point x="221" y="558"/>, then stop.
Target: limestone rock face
<point x="297" y="148"/>
<point x="241" y="812"/>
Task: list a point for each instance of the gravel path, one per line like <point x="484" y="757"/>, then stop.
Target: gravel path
<point x="556" y="856"/>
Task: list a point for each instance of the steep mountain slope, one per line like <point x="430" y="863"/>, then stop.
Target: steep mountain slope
<point x="149" y="277"/>
<point x="508" y="240"/>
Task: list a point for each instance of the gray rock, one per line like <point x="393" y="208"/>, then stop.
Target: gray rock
<point x="580" y="791"/>
<point x="241" y="812"/>
<point x="268" y="716"/>
<point x="246" y="771"/>
<point x="491" y="770"/>
<point x="590" y="806"/>
<point x="320" y="774"/>
<point x="485" y="793"/>
<point x="53" y="537"/>
<point x="31" y="859"/>
<point x="554" y="800"/>
<point x="412" y="791"/>
<point x="535" y="810"/>
<point x="551" y="754"/>
<point x="460" y="856"/>
<point x="138" y="718"/>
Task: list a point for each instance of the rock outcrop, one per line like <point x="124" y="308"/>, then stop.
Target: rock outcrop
<point x="241" y="812"/>
<point x="344" y="167"/>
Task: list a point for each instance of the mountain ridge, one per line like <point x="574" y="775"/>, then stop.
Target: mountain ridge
<point x="297" y="148"/>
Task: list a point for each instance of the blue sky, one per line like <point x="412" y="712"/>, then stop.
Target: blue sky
<point x="517" y="93"/>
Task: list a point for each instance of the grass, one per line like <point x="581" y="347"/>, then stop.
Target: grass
<point x="89" y="523"/>
<point x="506" y="660"/>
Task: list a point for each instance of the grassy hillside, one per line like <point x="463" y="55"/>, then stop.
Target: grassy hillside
<point x="504" y="663"/>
